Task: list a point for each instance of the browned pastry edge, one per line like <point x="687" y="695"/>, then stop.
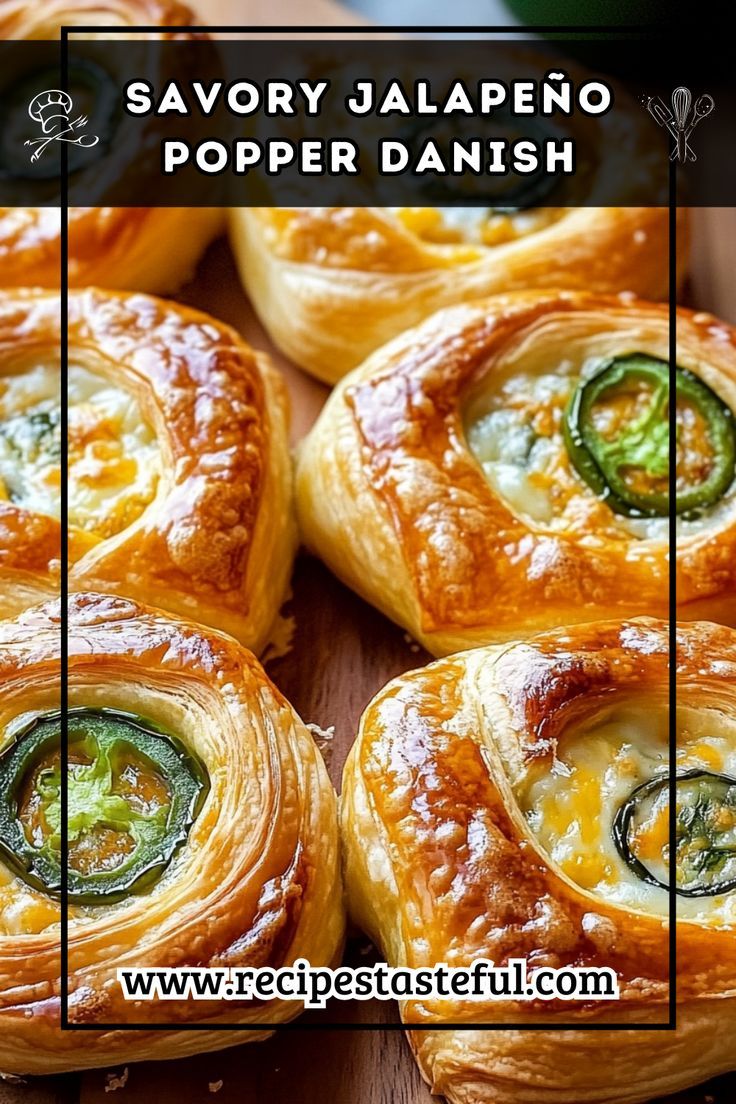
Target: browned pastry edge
<point x="218" y="410"/>
<point x="333" y="284"/>
<point x="431" y="768"/>
<point x="254" y="886"/>
<point x="21" y="20"/>
<point x="441" y="865"/>
<point x="452" y="528"/>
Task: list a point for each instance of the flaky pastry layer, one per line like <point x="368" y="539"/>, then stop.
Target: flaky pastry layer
<point x="394" y="501"/>
<point x="217" y="541"/>
<point x="443" y="866"/>
<point x="257" y="881"/>
<point x="332" y="284"/>
<point x="136" y="248"/>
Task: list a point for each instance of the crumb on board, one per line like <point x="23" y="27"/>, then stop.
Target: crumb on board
<point x="413" y="646"/>
<point x="215" y="1086"/>
<point x="114" y="1081"/>
<point x="323" y="738"/>
<point x="12" y="1078"/>
<point x="281" y="638"/>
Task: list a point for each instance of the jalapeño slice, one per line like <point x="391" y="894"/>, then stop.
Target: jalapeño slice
<point x="132" y="796"/>
<point x="502" y="194"/>
<point x="705" y="859"/>
<point x="616" y="429"/>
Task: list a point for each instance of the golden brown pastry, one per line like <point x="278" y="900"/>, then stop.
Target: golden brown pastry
<point x="19" y="19"/>
<point x="143" y="248"/>
<point x="331" y="284"/>
<point x="512" y="802"/>
<point x="152" y="249"/>
<point x="202" y="832"/>
<point x="179" y="477"/>
<point x="503" y="468"/>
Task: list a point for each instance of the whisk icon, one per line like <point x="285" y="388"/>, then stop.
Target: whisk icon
<point x="681" y="100"/>
<point x="681" y="120"/>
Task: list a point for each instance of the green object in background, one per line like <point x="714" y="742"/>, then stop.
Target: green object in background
<point x="573" y="13"/>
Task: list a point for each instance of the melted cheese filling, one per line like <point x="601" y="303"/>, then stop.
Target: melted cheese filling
<point x="516" y="436"/>
<point x="25" y="911"/>
<point x="572" y="806"/>
<point x="114" y="460"/>
<point x="30" y="440"/>
<point x="474" y="225"/>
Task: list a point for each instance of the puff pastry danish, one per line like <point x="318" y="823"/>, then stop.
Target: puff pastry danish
<point x="213" y="841"/>
<point x="35" y="21"/>
<point x="512" y="802"/>
<point x="179" y="476"/>
<point x="152" y="249"/>
<point x="504" y="468"/>
<point x="331" y="284"/>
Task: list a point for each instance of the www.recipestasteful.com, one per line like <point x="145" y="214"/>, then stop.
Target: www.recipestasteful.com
<point x="313" y="986"/>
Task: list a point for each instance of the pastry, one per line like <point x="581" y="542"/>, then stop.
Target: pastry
<point x="179" y="476"/>
<point x="29" y="21"/>
<point x="503" y="468"/>
<point x="152" y="249"/>
<point x="223" y="846"/>
<point x="512" y="802"/>
<point x="331" y="284"/>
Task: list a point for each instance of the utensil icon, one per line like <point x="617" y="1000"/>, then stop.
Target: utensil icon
<point x="52" y="109"/>
<point x="681" y="101"/>
<point x="658" y="109"/>
<point x="681" y="120"/>
<point x="702" y="109"/>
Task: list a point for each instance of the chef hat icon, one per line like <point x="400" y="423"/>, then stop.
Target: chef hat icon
<point x="48" y="106"/>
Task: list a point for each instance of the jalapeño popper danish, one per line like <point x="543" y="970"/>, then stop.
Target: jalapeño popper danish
<point x="201" y="831"/>
<point x="504" y="467"/>
<point x="179" y="474"/>
<point x="512" y="802"/>
<point x="332" y="284"/>
<point x="152" y="249"/>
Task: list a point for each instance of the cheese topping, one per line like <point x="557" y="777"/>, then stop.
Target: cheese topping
<point x="572" y="807"/>
<point x="30" y="439"/>
<point x="114" y="460"/>
<point x="24" y="911"/>
<point x="484" y="226"/>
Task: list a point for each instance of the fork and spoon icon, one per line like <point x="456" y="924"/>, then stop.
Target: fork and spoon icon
<point x="53" y="110"/>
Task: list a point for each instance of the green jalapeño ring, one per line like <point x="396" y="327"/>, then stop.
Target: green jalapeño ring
<point x="705" y="832"/>
<point x="133" y="794"/>
<point x="626" y="460"/>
